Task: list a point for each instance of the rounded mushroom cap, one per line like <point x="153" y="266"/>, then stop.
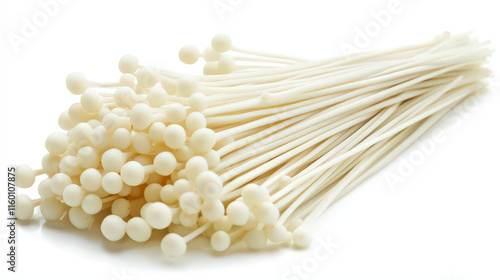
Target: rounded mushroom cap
<point x="203" y="140"/>
<point x="112" y="160"/>
<point x="141" y="116"/>
<point x="24" y="207"/>
<point x="173" y="245"/>
<point x="221" y="42"/>
<point x="132" y="173"/>
<point x="301" y="237"/>
<point x="76" y="83"/>
<point x="158" y="215"/>
<point x="189" y="54"/>
<point x="174" y="136"/>
<point x="57" y="143"/>
<point x="276" y="232"/>
<point x="91" y="101"/>
<point x="220" y="241"/>
<point x="25" y="176"/>
<point x="238" y="213"/>
<point x="113" y="227"/>
<point x="79" y="218"/>
<point x="266" y="212"/>
<point x="157" y="97"/>
<point x="253" y="194"/>
<point x="52" y="209"/>
<point x="212" y="209"/>
<point x="128" y="64"/>
<point x="138" y="229"/>
<point x="92" y="204"/>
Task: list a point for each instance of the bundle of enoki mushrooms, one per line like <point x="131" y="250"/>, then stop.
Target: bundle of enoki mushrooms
<point x="251" y="152"/>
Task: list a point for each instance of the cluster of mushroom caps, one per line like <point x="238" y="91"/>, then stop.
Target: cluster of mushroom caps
<point x="140" y="154"/>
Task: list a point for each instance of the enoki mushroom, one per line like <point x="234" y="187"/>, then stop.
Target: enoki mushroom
<point x="254" y="150"/>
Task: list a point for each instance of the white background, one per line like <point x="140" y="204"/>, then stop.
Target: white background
<point x="442" y="222"/>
